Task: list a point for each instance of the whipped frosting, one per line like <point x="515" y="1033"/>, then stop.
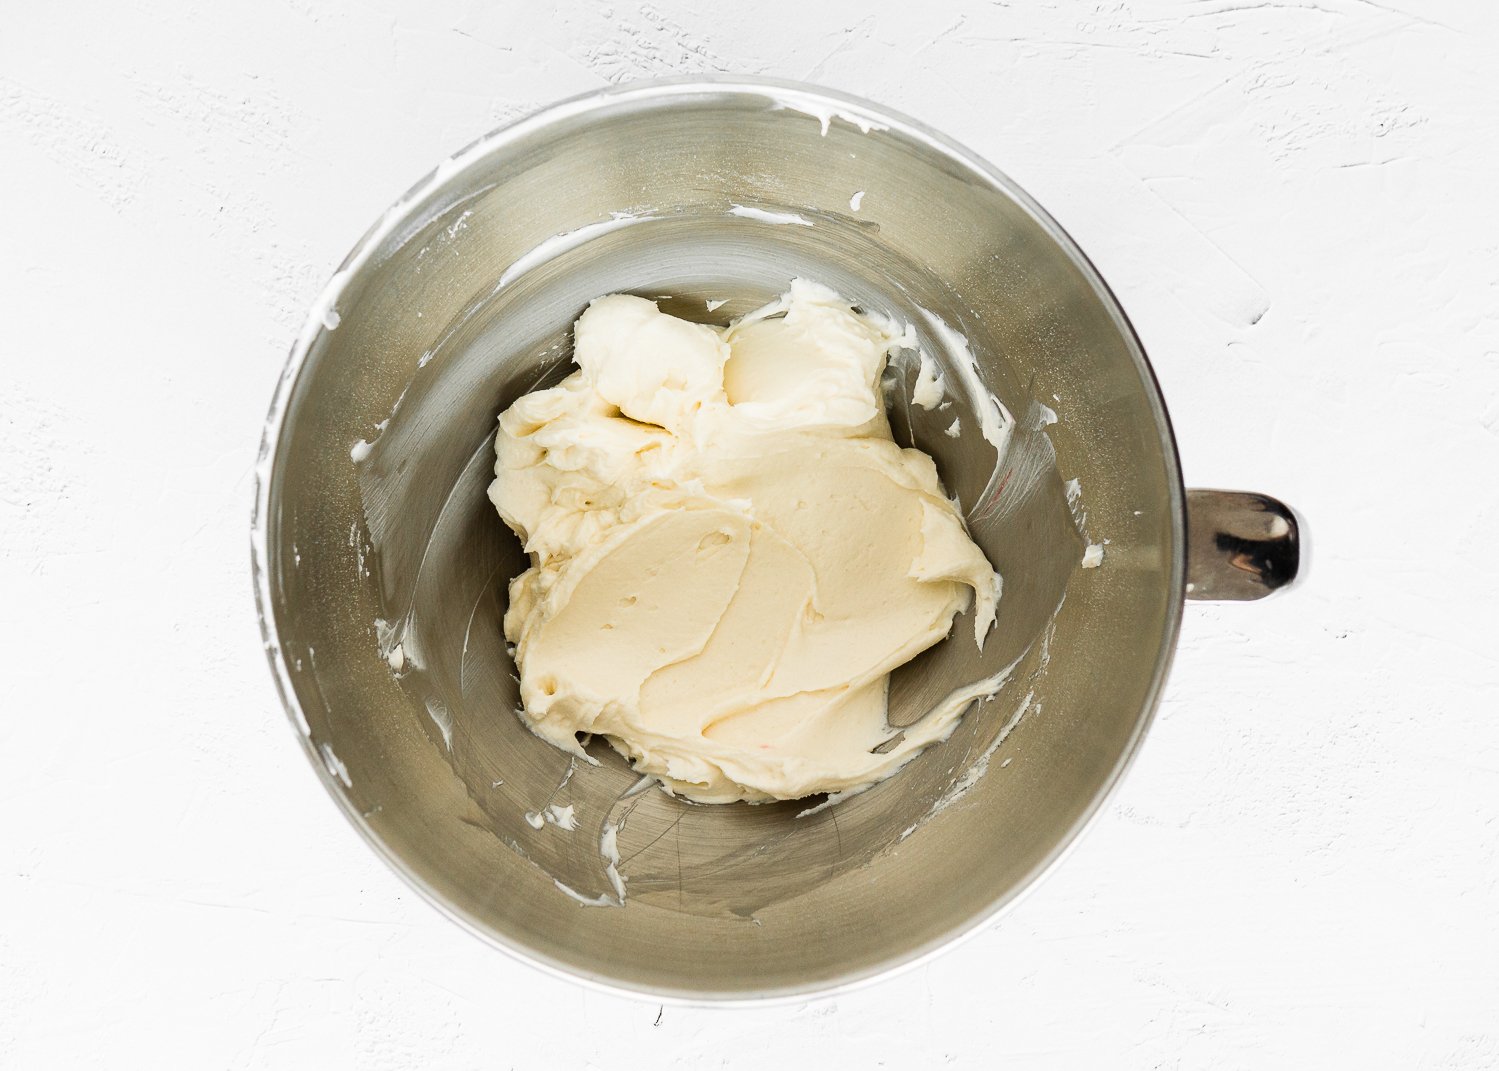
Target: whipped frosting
<point x="729" y="554"/>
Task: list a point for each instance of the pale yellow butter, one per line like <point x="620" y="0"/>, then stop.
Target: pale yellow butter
<point x="729" y="553"/>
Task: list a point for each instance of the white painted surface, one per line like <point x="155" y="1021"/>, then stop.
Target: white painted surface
<point x="1303" y="870"/>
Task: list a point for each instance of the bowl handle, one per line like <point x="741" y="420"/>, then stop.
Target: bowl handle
<point x="1240" y="545"/>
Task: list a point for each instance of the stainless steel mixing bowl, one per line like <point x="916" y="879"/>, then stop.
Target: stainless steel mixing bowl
<point x="372" y="530"/>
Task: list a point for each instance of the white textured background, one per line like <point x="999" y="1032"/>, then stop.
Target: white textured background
<point x="1303" y="869"/>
